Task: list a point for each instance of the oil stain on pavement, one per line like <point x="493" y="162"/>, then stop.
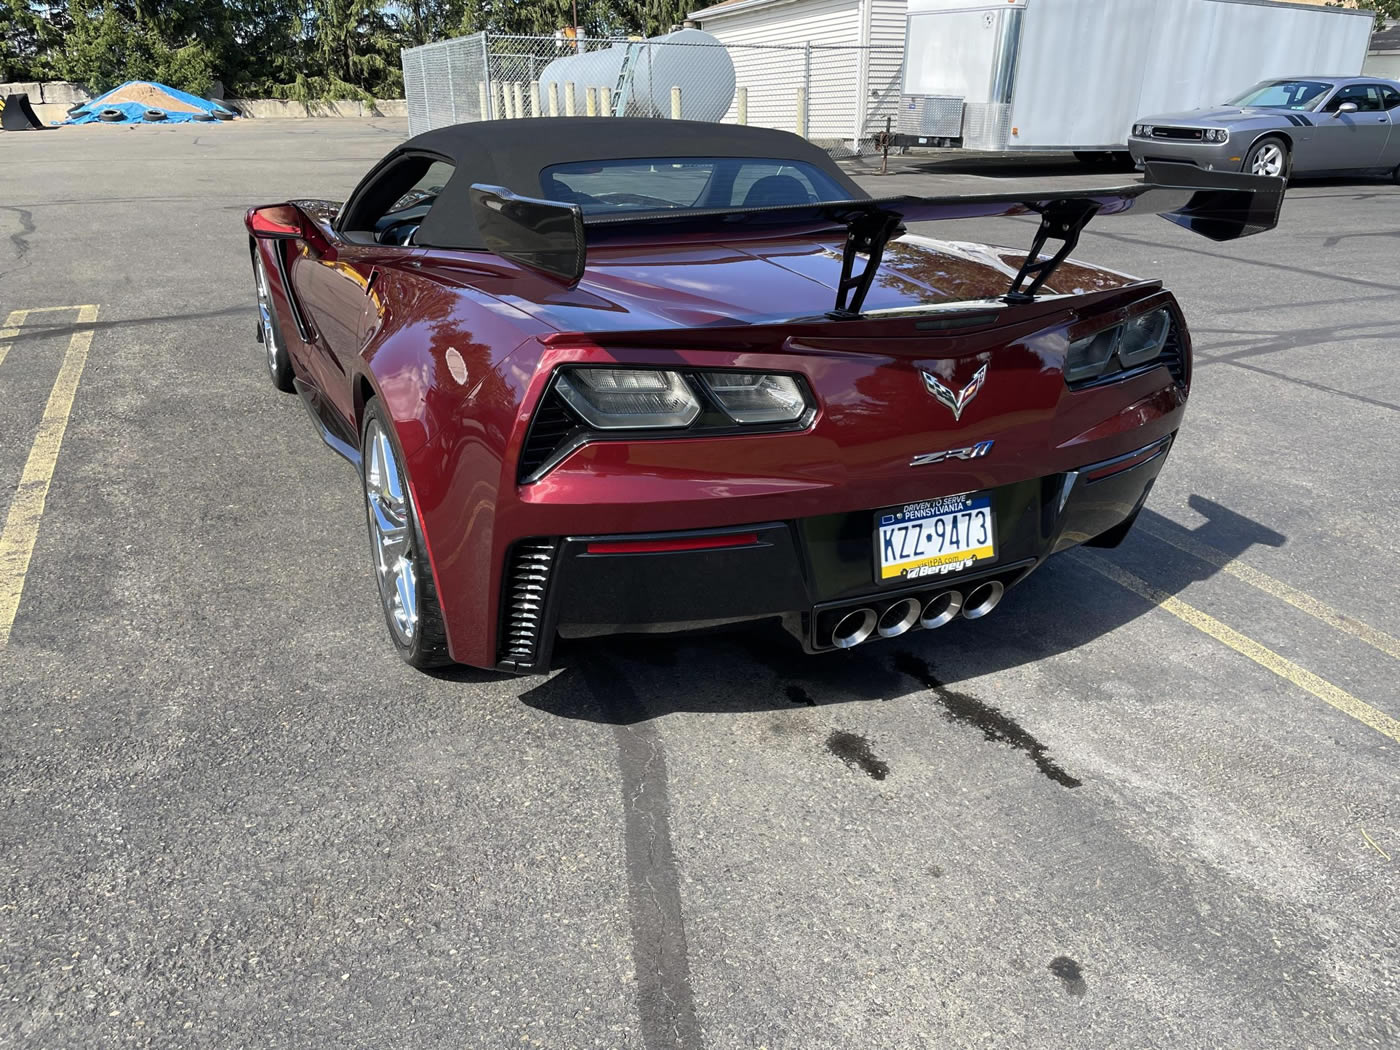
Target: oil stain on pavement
<point x="854" y="750"/>
<point x="1068" y="971"/>
<point x="995" y="725"/>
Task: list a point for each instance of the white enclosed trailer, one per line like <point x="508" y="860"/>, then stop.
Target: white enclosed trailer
<point x="1073" y="74"/>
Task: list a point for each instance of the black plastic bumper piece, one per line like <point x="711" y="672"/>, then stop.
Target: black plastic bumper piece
<point x="804" y="570"/>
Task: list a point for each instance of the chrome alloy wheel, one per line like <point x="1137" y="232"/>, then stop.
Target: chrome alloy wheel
<point x="390" y="534"/>
<point x="1269" y="160"/>
<point x="269" y="330"/>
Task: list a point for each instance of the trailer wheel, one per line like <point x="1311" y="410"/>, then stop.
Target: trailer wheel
<point x="1269" y="156"/>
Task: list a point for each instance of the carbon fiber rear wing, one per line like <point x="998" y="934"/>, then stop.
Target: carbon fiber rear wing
<point x="551" y="237"/>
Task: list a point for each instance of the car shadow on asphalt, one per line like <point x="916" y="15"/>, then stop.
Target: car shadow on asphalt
<point x="758" y="667"/>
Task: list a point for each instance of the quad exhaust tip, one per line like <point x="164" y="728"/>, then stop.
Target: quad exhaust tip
<point x="901" y="615"/>
<point x="942" y="608"/>
<point x="982" y="599"/>
<point x="853" y="628"/>
<point x="898" y="618"/>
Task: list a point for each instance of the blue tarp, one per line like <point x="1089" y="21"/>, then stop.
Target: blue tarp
<point x="135" y="112"/>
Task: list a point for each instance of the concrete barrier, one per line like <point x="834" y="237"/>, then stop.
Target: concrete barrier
<point x="284" y="109"/>
<point x="51" y="112"/>
<point x="62" y="93"/>
<point x="55" y="92"/>
<point x="398" y="107"/>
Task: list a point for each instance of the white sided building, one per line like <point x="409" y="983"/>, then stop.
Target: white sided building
<point x="836" y="52"/>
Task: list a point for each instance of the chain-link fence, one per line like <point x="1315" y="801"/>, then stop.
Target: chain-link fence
<point x="838" y="96"/>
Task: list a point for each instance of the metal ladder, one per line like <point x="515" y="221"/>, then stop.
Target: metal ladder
<point x="623" y="90"/>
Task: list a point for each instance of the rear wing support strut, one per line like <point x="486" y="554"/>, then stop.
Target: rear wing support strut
<point x="1063" y="220"/>
<point x="867" y="233"/>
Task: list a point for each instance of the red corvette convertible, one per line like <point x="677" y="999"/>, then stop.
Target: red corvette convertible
<point x="610" y="375"/>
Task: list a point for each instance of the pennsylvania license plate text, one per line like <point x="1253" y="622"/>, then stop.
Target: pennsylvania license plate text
<point x="935" y="537"/>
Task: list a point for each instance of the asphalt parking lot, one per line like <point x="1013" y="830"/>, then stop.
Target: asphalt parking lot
<point x="1152" y="801"/>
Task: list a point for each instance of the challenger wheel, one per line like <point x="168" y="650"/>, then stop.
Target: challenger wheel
<point x="397" y="552"/>
<point x="1269" y="156"/>
<point x="279" y="364"/>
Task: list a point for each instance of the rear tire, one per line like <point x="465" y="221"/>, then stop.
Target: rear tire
<point x="398" y="554"/>
<point x="279" y="362"/>
<point x="1269" y="156"/>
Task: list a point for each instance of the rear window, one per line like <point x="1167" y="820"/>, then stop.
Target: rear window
<point x="687" y="183"/>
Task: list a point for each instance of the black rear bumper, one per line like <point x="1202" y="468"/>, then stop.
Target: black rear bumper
<point x="805" y="571"/>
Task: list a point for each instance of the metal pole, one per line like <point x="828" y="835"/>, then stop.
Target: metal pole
<point x="423" y="79"/>
<point x="805" y="98"/>
<point x="451" y="88"/>
<point x="486" y="65"/>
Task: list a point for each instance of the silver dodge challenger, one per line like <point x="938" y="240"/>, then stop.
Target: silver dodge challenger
<point x="1284" y="127"/>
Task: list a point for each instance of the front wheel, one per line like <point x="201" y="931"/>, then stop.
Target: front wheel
<point x="399" y="556"/>
<point x="1269" y="156"/>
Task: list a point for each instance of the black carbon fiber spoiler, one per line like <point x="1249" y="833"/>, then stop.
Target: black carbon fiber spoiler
<point x="551" y="237"/>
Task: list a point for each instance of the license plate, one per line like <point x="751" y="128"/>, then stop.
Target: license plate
<point x="934" y="537"/>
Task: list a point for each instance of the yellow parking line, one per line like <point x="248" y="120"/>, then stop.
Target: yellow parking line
<point x="1245" y="646"/>
<point x="22" y="525"/>
<point x="10" y="330"/>
<point x="57" y="309"/>
<point x="1280" y="590"/>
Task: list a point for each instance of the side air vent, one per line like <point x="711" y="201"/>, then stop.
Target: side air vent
<point x="553" y="425"/>
<point x="1172" y="356"/>
<point x="523" y="602"/>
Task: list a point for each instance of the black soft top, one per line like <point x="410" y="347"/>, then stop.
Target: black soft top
<point x="511" y="153"/>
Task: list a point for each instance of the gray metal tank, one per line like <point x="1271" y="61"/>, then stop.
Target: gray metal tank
<point x="640" y="75"/>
